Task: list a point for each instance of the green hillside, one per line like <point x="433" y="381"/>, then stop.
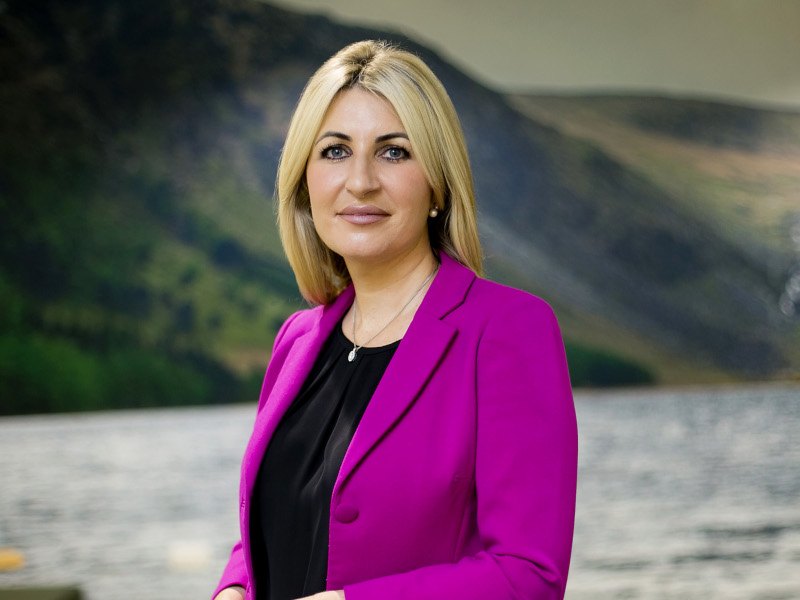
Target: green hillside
<point x="139" y="261"/>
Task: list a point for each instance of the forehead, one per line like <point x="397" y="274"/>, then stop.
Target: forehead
<point x="357" y="109"/>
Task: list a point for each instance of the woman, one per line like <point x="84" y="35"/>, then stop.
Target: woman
<point x="415" y="435"/>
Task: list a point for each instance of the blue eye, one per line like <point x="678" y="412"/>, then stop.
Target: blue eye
<point x="335" y="152"/>
<point x="396" y="153"/>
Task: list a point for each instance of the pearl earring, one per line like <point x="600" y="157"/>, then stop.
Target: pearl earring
<point x="433" y="213"/>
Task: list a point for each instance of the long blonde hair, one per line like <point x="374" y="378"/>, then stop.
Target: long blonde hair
<point x="433" y="128"/>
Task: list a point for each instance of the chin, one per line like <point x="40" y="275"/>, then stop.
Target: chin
<point x="359" y="249"/>
<point x="365" y="256"/>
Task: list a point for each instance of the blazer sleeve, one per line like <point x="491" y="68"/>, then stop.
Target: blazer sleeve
<point x="235" y="571"/>
<point x="525" y="471"/>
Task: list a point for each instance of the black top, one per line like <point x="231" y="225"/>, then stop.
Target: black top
<point x="292" y="495"/>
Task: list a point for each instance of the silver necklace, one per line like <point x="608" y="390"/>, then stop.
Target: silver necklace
<point x="352" y="355"/>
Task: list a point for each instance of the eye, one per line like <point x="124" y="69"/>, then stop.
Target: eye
<point x="395" y="153"/>
<point x="334" y="152"/>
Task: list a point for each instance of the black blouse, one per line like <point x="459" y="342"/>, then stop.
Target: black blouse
<point x="292" y="495"/>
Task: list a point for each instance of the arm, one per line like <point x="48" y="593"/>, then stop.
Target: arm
<point x="525" y="472"/>
<point x="234" y="577"/>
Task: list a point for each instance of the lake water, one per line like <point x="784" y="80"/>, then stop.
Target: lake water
<point x="690" y="494"/>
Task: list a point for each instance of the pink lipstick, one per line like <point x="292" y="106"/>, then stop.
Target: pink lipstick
<point x="363" y="214"/>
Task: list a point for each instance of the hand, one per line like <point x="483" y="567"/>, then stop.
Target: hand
<point x="330" y="595"/>
<point x="231" y="593"/>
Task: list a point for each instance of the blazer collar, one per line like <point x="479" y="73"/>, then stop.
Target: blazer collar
<point x="421" y="349"/>
<point x="416" y="358"/>
<point x="300" y="357"/>
<point x="447" y="292"/>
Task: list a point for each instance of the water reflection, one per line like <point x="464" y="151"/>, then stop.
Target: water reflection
<point x="682" y="495"/>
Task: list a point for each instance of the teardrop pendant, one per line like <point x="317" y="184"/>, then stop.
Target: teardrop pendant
<point x="352" y="356"/>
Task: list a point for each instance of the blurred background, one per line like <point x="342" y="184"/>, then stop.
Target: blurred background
<point x="637" y="164"/>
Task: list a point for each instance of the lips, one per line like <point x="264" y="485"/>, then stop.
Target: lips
<point x="362" y="215"/>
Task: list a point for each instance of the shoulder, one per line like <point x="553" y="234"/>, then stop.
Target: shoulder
<point x="505" y="307"/>
<point x="306" y="320"/>
<point x="518" y="339"/>
<point x="491" y="292"/>
<point x="297" y="324"/>
<point x="473" y="301"/>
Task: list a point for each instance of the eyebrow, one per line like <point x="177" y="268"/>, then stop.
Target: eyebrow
<point x="347" y="138"/>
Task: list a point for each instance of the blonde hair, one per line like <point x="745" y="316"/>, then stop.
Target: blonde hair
<point x="434" y="131"/>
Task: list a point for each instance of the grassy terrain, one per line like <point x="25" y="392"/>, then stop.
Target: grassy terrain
<point x="139" y="258"/>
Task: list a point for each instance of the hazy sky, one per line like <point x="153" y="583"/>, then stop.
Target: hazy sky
<point x="735" y="49"/>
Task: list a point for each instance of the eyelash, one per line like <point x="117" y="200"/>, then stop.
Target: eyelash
<point x="405" y="154"/>
<point x="325" y="153"/>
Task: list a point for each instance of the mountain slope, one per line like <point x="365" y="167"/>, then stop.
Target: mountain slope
<point x="734" y="171"/>
<point x="139" y="145"/>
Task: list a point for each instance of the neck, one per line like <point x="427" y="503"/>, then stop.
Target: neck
<point x="382" y="290"/>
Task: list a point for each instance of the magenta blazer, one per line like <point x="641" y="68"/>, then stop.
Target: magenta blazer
<point x="460" y="479"/>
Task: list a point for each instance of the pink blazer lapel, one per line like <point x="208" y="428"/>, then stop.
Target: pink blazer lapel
<point x="299" y="360"/>
<point x="416" y="358"/>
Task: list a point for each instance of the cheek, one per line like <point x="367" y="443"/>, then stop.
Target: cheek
<point x="419" y="196"/>
<point x="412" y="186"/>
<point x="322" y="183"/>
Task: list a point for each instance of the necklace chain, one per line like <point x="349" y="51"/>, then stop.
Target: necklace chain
<point x="352" y="355"/>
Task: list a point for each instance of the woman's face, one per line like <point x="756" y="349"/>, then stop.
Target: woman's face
<point x="369" y="195"/>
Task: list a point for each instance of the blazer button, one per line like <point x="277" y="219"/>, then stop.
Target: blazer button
<point x="345" y="513"/>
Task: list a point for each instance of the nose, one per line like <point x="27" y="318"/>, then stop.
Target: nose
<point x="362" y="179"/>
